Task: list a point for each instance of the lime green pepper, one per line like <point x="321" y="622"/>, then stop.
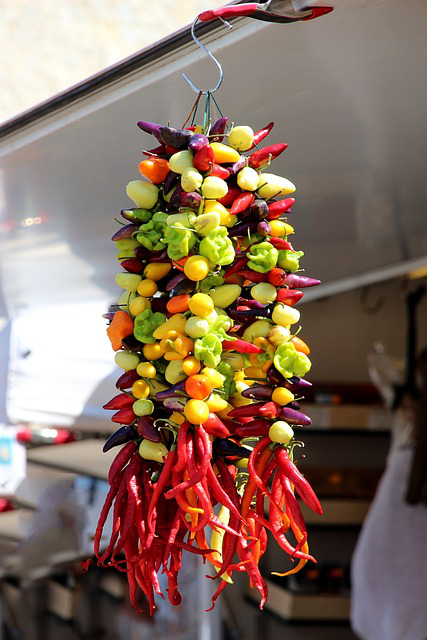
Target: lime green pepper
<point x="262" y="257"/>
<point x="289" y="260"/>
<point x="291" y="362"/>
<point x="180" y="241"/>
<point x="217" y="247"/>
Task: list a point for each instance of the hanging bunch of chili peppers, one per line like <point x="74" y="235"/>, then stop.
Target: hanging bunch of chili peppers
<point x="206" y="333"/>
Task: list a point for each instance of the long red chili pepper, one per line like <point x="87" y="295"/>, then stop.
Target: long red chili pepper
<point x="241" y="203"/>
<point x="280" y="243"/>
<point x="160" y="485"/>
<point x="105" y="511"/>
<point x="261" y="134"/>
<point x="241" y="346"/>
<point x="292" y="472"/>
<point x="239" y="264"/>
<point x="119" y="402"/>
<point x="262" y="156"/>
<point x="253" y="276"/>
<point x="279" y="208"/>
<point x="121" y="459"/>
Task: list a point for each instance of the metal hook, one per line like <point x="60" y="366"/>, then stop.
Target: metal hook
<point x="211" y="56"/>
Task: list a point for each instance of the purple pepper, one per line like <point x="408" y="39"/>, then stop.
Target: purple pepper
<point x="197" y="142"/>
<point x="128" y="214"/>
<point x="251" y="313"/>
<point x="175" y="404"/>
<point x="242" y="228"/>
<point x="122" y="435"/>
<point x="295" y="281"/>
<point x="178" y="387"/>
<point x="191" y="200"/>
<point x="109" y="316"/>
<point x="259" y="209"/>
<point x="217" y="130"/>
<point x="175" y="201"/>
<point x="152" y="128"/>
<point x="258" y="392"/>
<point x="264" y="228"/>
<point x="254" y="304"/>
<point x="159" y="304"/>
<point x="176" y="138"/>
<point x="125" y="232"/>
<point x="170" y="181"/>
<point x="295" y="417"/>
<point x="237" y="166"/>
<point x="147" y="430"/>
<point x="174" y="281"/>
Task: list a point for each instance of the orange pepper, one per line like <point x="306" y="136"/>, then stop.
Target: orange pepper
<point x="178" y="304"/>
<point x="198" y="386"/>
<point x="257" y="360"/>
<point x="120" y="327"/>
<point x="300" y="345"/>
<point x="155" y="169"/>
<point x="180" y="264"/>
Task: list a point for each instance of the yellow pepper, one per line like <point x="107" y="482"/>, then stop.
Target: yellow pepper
<point x="224" y="153"/>
<point x="176" y="346"/>
<point x="174" y="323"/>
<point x="258" y="360"/>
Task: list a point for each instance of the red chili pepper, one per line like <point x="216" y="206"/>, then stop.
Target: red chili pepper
<point x="160" y="485"/>
<point x="157" y="151"/>
<point x="124" y="416"/>
<point x="217" y="171"/>
<point x="180" y="447"/>
<point x="132" y="265"/>
<point x="241" y="203"/>
<point x="277" y="209"/>
<point x="241" y="346"/>
<point x="259" y="428"/>
<point x="219" y="493"/>
<point x="170" y="150"/>
<point x="121" y="401"/>
<point x="253" y="276"/>
<point x="127" y="379"/>
<point x="292" y="506"/>
<point x="252" y="570"/>
<point x="204" y="159"/>
<point x="229" y="198"/>
<point x="239" y="264"/>
<point x="291" y="471"/>
<point x="121" y="459"/>
<point x="270" y="410"/>
<point x="277" y="277"/>
<point x="289" y="296"/>
<point x="261" y="134"/>
<point x="280" y="243"/>
<point x="214" y="427"/>
<point x="105" y="511"/>
<point x="265" y="409"/>
<point x="201" y="471"/>
<point x="262" y="156"/>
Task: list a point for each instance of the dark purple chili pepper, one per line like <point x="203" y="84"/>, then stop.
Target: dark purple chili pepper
<point x="175" y="201"/>
<point x="191" y="200"/>
<point x="224" y="447"/>
<point x="174" y="281"/>
<point x="142" y="253"/>
<point x="177" y="138"/>
<point x="295" y="417"/>
<point x="254" y="304"/>
<point x="264" y="228"/>
<point x="197" y="142"/>
<point x="259" y="208"/>
<point x="159" y="256"/>
<point x="159" y="304"/>
<point x="172" y="391"/>
<point x="237" y="166"/>
<point x="174" y="404"/>
<point x="130" y="343"/>
<point x="152" y="128"/>
<point x="171" y="181"/>
<point x="157" y="151"/>
<point x="218" y="129"/>
<point x="127" y="379"/>
<point x="122" y="435"/>
<point x="251" y="313"/>
<point x="147" y="430"/>
<point x="184" y="286"/>
<point x="242" y="228"/>
<point x="125" y="232"/>
<point x="109" y="316"/>
<point x="258" y="392"/>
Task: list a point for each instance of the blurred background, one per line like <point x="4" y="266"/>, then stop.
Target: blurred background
<point x="346" y="92"/>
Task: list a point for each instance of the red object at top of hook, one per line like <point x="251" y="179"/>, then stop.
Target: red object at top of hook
<point x="318" y="11"/>
<point x="228" y="12"/>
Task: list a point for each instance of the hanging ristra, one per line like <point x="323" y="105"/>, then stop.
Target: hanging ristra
<point x="205" y="332"/>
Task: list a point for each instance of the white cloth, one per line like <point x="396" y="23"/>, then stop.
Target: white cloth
<point x="389" y="567"/>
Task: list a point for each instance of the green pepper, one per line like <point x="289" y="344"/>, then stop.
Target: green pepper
<point x="210" y="282"/>
<point x="217" y="247"/>
<point x="289" y="260"/>
<point x="291" y="362"/>
<point x="180" y="241"/>
<point x="143" y="215"/>
<point x="228" y="387"/>
<point x="262" y="257"/>
<point x="208" y="350"/>
<point x="150" y="234"/>
<point x="145" y="325"/>
<point x="222" y="324"/>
